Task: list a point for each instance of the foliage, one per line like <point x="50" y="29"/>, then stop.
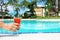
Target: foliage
<point x="52" y="17"/>
<point x="51" y="6"/>
<point x="46" y="14"/>
<point x="12" y="2"/>
<point x="26" y="15"/>
<point x="21" y="15"/>
<point x="1" y="6"/>
<point x="31" y="5"/>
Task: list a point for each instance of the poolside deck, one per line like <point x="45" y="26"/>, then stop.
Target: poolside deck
<point x="35" y="19"/>
<point x="38" y="36"/>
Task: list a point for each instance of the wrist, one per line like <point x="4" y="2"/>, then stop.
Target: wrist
<point x="1" y="24"/>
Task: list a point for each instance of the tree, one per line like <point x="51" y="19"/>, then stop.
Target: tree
<point x="31" y="5"/>
<point x="16" y="5"/>
<point x="2" y="4"/>
<point x="12" y="2"/>
<point x="48" y="6"/>
<point x="17" y="9"/>
<point x="51" y="5"/>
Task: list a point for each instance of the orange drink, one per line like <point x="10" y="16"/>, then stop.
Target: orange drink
<point x="17" y="20"/>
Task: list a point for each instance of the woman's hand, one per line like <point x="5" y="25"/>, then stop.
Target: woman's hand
<point x="11" y="27"/>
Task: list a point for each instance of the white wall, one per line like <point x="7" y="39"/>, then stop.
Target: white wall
<point x="43" y="12"/>
<point x="39" y="13"/>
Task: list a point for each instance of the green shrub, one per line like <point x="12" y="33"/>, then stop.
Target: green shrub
<point x="33" y="16"/>
<point x="46" y="13"/>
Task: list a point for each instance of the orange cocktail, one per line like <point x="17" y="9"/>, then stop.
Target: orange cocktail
<point x="17" y="20"/>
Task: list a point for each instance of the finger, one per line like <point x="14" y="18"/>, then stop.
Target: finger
<point x="17" y="27"/>
<point x="9" y="29"/>
<point x="13" y="29"/>
<point x="16" y="24"/>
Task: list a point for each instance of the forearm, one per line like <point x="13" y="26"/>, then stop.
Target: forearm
<point x="1" y="24"/>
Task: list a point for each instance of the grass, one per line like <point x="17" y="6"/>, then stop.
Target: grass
<point x="51" y="17"/>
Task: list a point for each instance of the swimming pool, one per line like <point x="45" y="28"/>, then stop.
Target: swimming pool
<point x="34" y="26"/>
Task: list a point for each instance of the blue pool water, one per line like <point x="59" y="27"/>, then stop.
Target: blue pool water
<point x="34" y="26"/>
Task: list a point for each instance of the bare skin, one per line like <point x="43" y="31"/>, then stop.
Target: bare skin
<point x="10" y="27"/>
